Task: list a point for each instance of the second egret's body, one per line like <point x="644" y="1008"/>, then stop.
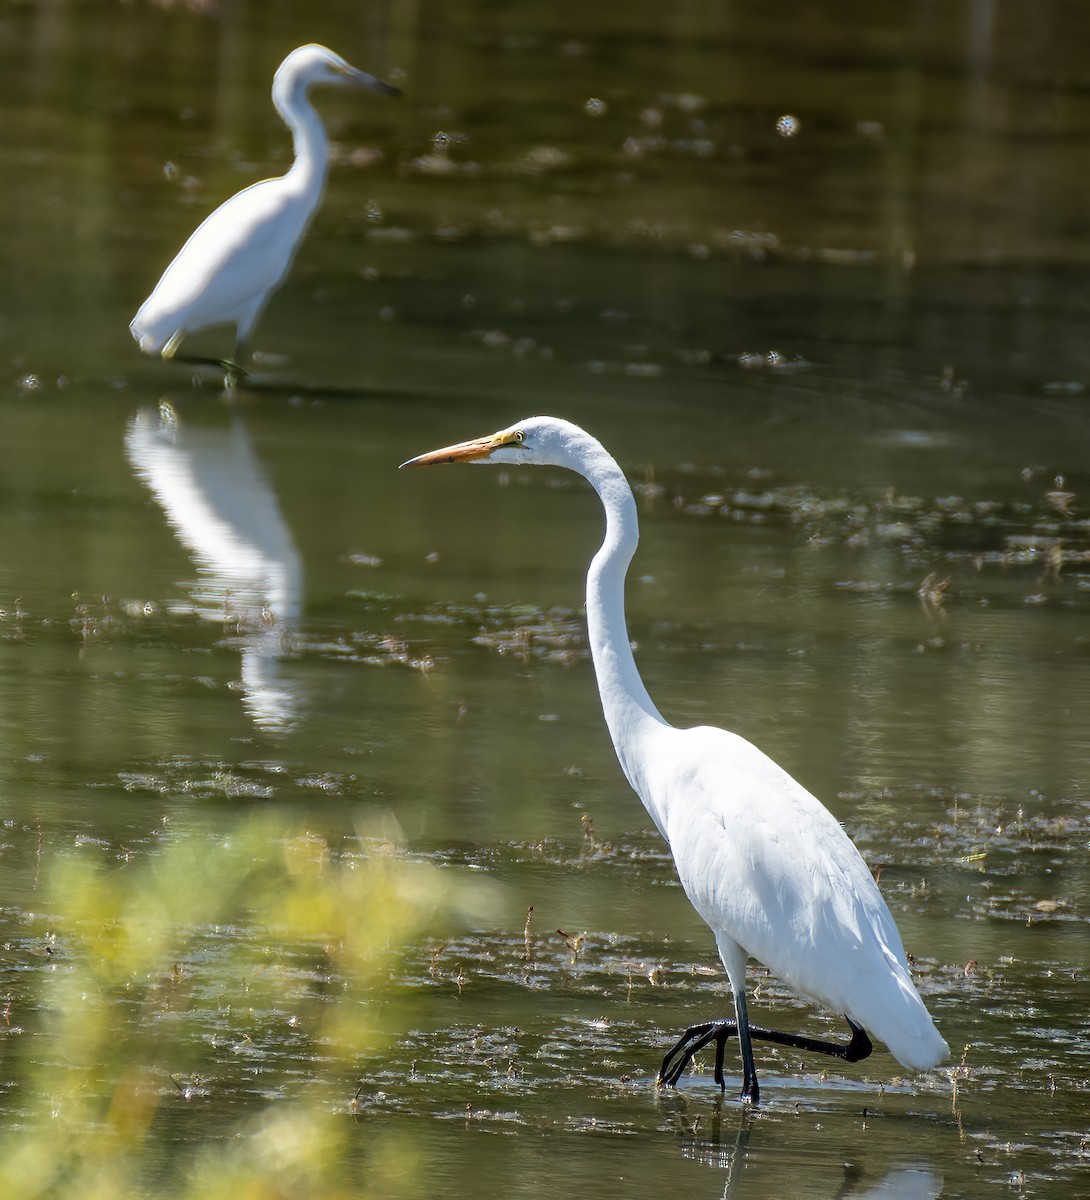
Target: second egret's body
<point x="764" y="863"/>
<point x="235" y="259"/>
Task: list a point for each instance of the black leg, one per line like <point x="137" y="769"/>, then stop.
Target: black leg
<point x="697" y="1037"/>
<point x="751" y="1093"/>
<point x="233" y="372"/>
<point x="857" y="1049"/>
<point x="236" y="372"/>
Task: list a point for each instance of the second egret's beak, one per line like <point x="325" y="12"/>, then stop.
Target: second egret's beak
<point x="362" y="79"/>
<point x="462" y="452"/>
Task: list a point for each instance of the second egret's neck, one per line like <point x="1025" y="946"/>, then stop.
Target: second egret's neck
<point x="307" y="131"/>
<point x="627" y="706"/>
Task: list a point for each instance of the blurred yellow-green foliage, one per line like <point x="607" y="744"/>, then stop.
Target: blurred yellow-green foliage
<point x="224" y="984"/>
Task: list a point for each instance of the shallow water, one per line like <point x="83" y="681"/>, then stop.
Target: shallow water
<point x="845" y="370"/>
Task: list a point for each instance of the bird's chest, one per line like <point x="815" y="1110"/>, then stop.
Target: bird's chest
<point x="729" y="857"/>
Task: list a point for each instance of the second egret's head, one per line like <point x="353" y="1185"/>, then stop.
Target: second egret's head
<point x="314" y="64"/>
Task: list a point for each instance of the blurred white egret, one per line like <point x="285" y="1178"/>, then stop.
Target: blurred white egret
<point x="762" y="861"/>
<point x="239" y="255"/>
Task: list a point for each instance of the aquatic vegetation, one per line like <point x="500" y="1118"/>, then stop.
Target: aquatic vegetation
<point x="235" y="977"/>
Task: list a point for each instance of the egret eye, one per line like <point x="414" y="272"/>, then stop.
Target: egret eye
<point x="518" y="437"/>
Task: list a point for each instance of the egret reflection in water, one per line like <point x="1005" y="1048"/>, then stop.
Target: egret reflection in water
<point x="223" y="510"/>
<point x="762" y="1164"/>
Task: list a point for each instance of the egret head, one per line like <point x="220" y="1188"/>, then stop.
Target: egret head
<point x="314" y="64"/>
<point x="539" y="441"/>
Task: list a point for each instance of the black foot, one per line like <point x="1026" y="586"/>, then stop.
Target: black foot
<point x="233" y="372"/>
<point x="696" y="1037"/>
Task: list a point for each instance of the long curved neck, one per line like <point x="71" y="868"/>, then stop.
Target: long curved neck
<point x="627" y="706"/>
<point x="308" y="133"/>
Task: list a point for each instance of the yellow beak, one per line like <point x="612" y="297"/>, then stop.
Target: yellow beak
<point x="462" y="452"/>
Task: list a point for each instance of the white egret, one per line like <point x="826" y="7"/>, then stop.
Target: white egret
<point x="240" y="253"/>
<point x="762" y="860"/>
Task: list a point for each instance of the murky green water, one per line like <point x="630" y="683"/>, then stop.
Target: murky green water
<point x="846" y="370"/>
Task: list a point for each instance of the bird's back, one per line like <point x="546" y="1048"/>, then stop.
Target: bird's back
<point x="770" y="869"/>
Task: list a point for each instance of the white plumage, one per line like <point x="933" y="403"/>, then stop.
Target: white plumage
<point x="762" y="860"/>
<point x="772" y="872"/>
<point x="235" y="259"/>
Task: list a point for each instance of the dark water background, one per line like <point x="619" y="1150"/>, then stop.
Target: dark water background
<point x="845" y="367"/>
